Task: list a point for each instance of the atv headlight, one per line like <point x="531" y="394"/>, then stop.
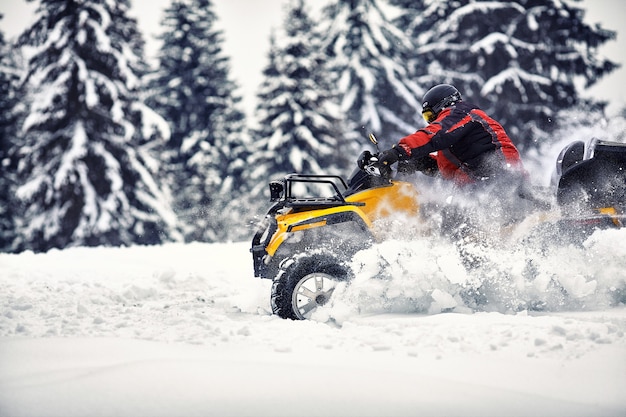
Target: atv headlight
<point x="276" y="190"/>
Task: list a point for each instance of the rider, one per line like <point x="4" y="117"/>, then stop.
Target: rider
<point x="461" y="142"/>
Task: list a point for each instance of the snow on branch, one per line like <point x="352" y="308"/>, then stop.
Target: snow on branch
<point x="485" y="7"/>
<point x="515" y="75"/>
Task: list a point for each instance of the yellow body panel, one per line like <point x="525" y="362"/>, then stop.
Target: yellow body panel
<point x="400" y="197"/>
<point x="612" y="213"/>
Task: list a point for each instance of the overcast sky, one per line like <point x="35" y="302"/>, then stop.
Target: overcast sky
<point x="247" y="25"/>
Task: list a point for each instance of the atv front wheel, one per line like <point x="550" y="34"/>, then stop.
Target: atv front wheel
<point x="305" y="282"/>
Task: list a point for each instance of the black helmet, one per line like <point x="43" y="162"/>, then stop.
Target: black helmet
<point x="438" y="98"/>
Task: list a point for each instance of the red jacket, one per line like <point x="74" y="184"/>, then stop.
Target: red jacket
<point x="466" y="143"/>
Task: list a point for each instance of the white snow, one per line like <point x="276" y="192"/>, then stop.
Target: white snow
<point x="186" y="330"/>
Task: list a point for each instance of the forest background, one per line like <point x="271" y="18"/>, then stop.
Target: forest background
<point x="248" y="48"/>
<point x="220" y="164"/>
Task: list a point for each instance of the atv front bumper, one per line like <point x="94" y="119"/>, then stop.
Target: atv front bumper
<point x="260" y="241"/>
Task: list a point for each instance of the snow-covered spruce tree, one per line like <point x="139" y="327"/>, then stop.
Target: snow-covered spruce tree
<point x="9" y="78"/>
<point x="84" y="174"/>
<point x="259" y="168"/>
<point x="521" y="60"/>
<point x="407" y="13"/>
<point x="367" y="54"/>
<point x="193" y="92"/>
<point x="299" y="130"/>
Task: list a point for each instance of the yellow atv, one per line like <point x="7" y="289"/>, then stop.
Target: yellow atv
<point x="304" y="242"/>
<point x="318" y="222"/>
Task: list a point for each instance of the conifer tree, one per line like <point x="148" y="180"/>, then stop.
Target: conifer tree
<point x="298" y="127"/>
<point x="193" y="91"/>
<point x="8" y="128"/>
<point x="520" y="60"/>
<point x="374" y="87"/>
<point x="85" y="175"/>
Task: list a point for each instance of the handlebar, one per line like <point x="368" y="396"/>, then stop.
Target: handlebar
<point x="368" y="162"/>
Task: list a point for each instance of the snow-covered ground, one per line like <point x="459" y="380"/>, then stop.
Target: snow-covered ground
<point x="186" y="330"/>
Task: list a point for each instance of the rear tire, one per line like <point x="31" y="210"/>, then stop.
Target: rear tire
<point x="305" y="282"/>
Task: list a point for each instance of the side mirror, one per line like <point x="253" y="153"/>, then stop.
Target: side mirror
<point x="276" y="190"/>
<point x="374" y="141"/>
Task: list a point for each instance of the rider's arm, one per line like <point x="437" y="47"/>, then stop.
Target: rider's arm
<point x="419" y="144"/>
<point x="444" y="132"/>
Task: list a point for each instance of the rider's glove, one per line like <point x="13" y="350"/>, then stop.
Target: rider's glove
<point x="391" y="156"/>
